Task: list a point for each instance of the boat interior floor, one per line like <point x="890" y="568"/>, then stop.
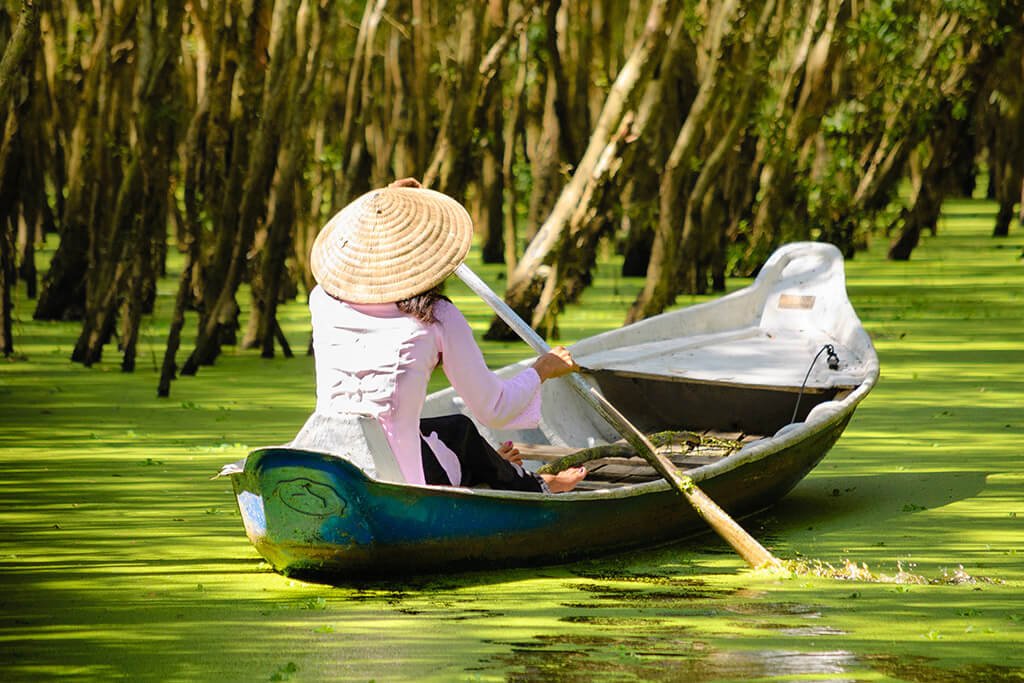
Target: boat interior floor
<point x="615" y="472"/>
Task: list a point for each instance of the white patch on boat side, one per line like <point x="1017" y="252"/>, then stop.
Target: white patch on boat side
<point x="253" y="515"/>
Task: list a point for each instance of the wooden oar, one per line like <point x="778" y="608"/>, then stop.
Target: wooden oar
<point x="725" y="526"/>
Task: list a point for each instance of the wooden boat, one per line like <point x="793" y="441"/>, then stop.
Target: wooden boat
<point x="768" y="377"/>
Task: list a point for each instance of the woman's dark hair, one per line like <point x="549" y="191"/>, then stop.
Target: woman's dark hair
<point x="421" y="306"/>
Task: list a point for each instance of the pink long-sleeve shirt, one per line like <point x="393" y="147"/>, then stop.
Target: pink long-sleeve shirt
<point x="372" y="359"/>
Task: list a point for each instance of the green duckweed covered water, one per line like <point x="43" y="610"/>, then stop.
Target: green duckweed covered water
<point x="120" y="559"/>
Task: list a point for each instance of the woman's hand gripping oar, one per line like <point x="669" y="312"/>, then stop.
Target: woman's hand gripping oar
<point x="752" y="552"/>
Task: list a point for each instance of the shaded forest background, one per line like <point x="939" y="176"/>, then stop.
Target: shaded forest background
<point x="693" y="136"/>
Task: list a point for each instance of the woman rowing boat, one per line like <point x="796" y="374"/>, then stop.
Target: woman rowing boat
<point x="381" y="325"/>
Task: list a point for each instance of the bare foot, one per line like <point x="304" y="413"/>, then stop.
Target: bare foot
<point x="565" y="480"/>
<point x="510" y="453"/>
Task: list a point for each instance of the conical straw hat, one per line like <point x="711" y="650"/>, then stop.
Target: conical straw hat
<point x="391" y="244"/>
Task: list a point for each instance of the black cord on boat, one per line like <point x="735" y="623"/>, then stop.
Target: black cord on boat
<point x="833" y="364"/>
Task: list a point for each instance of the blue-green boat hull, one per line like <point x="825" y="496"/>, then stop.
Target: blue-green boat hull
<point x="318" y="516"/>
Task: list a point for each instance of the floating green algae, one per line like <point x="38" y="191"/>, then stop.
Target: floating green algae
<point x="119" y="559"/>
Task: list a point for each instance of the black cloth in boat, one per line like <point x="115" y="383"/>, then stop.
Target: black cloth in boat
<point x="481" y="464"/>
